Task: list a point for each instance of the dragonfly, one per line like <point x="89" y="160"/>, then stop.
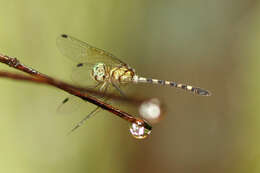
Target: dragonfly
<point x="102" y="70"/>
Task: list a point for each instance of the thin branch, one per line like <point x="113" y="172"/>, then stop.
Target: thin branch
<point x="74" y="90"/>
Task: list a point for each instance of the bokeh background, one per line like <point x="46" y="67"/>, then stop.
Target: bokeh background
<point x="213" y="44"/>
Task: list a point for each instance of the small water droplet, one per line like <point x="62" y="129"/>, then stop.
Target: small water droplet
<point x="139" y="131"/>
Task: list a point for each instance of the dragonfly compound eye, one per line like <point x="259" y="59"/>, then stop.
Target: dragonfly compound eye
<point x="99" y="72"/>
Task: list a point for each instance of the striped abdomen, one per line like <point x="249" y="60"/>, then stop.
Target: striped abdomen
<point x="190" y="88"/>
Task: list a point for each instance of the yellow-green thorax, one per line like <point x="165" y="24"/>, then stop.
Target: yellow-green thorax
<point x="122" y="74"/>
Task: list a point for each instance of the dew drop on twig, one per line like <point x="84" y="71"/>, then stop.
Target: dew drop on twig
<point x="138" y="130"/>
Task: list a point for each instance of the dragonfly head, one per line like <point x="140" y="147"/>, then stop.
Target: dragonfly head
<point x="99" y="72"/>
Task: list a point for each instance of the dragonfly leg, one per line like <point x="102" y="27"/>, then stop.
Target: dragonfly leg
<point x="93" y="112"/>
<point x="118" y="89"/>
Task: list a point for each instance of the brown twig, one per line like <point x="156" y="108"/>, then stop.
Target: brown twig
<point x="76" y="91"/>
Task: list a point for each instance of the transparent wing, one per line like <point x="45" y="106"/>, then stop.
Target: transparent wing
<point x="70" y="104"/>
<point x="73" y="104"/>
<point x="82" y="52"/>
<point x="82" y="75"/>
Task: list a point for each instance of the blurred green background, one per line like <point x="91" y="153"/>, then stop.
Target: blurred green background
<point x="212" y="44"/>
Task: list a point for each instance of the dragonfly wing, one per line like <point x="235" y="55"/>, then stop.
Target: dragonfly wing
<point x="73" y="104"/>
<point x="82" y="75"/>
<point x="70" y="104"/>
<point x="82" y="52"/>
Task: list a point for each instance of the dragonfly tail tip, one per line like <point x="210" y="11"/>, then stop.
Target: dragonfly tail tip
<point x="203" y="92"/>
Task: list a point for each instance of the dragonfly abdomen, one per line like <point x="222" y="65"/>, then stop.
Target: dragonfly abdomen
<point x="195" y="90"/>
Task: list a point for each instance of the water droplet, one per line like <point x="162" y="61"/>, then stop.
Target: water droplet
<point x="139" y="131"/>
<point x="151" y="110"/>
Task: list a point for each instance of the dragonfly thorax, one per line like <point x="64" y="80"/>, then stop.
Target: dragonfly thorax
<point x="100" y="72"/>
<point x="123" y="74"/>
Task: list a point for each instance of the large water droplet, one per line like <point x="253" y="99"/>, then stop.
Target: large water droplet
<point x="150" y="110"/>
<point x="138" y="130"/>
